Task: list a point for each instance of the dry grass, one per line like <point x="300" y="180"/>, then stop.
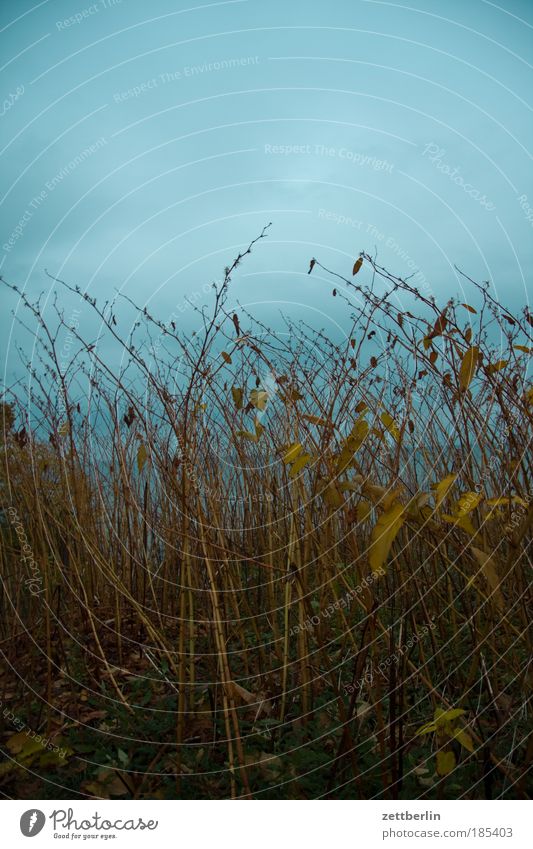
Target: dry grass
<point x="248" y="570"/>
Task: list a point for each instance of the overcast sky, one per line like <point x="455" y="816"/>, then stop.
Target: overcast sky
<point x="143" y="144"/>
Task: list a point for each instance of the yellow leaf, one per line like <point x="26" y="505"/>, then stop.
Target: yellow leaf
<point x="420" y="500"/>
<point x="445" y="763"/>
<point x="252" y="437"/>
<point x="22" y="745"/>
<point x="364" y="511"/>
<point x="375" y="492"/>
<point x="442" y="488"/>
<point x="294" y="395"/>
<point x="59" y="759"/>
<point x="439" y="326"/>
<point x="428" y="728"/>
<point x="523" y="348"/>
<point x="468" y="367"/>
<point x="226" y="357"/>
<point x="292" y="452"/>
<point x="442" y="716"/>
<point x="357" y="265"/>
<point x="490" y="572"/>
<point x="383" y="535"/>
<point x="494" y="367"/>
<point x="332" y="496"/>
<point x="352" y="444"/>
<point x="460" y="522"/>
<point x="466" y="503"/>
<point x="390" y="496"/>
<point x="506" y="499"/>
<point x="316" y="420"/>
<point x="142" y="456"/>
<point x="246" y="434"/>
<point x="259" y="398"/>
<point x="105" y="785"/>
<point x="348" y="486"/>
<point x="469" y="308"/>
<point x="391" y="426"/>
<point x="237" y="394"/>
<point x="299" y="463"/>
<point x="464" y="739"/>
<point x="6" y="767"/>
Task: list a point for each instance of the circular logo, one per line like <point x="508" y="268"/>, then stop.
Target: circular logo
<point x="32" y="822"/>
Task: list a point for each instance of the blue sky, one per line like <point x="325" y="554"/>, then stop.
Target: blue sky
<point x="144" y="144"/>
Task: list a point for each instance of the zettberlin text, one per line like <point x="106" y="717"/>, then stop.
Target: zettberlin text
<point x="407" y="815"/>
